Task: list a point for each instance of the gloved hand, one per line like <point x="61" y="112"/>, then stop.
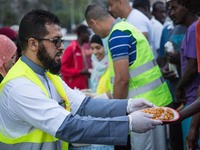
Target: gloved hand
<point x="141" y="122"/>
<point x="137" y="104"/>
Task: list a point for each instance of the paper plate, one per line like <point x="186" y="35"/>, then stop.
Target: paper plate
<point x="163" y="115"/>
<point x="176" y="115"/>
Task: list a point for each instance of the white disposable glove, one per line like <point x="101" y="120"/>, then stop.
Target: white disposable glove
<point x="141" y="122"/>
<point x="137" y="104"/>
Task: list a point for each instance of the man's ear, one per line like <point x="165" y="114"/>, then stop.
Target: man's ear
<point x="93" y="22"/>
<point x="33" y="44"/>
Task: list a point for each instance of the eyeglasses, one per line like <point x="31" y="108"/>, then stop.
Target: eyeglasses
<point x="57" y="41"/>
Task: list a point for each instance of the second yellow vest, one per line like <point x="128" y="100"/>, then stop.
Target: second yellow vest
<point x="146" y="79"/>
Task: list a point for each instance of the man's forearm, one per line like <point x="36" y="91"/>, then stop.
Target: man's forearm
<point x="120" y="90"/>
<point x="121" y="80"/>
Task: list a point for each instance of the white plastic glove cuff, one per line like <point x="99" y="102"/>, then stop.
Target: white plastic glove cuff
<point x="138" y="104"/>
<point x="130" y="123"/>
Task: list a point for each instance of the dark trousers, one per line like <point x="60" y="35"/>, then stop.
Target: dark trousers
<point x="175" y="133"/>
<point x="124" y="147"/>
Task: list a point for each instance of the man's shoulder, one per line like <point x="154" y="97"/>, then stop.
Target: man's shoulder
<point x="192" y="27"/>
<point x="156" y="23"/>
<point x="139" y="20"/>
<point x="19" y="81"/>
<point x="119" y="35"/>
<point x="17" y="85"/>
<point x="137" y="15"/>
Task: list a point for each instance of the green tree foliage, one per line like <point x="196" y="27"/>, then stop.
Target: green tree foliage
<point x="70" y="12"/>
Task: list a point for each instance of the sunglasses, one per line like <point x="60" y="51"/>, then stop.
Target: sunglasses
<point x="56" y="41"/>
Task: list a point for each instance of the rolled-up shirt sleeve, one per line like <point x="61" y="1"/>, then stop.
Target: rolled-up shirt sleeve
<point x="80" y="129"/>
<point x="103" y="107"/>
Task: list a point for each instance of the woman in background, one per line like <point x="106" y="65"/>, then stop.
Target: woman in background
<point x="7" y="55"/>
<point x="100" y="79"/>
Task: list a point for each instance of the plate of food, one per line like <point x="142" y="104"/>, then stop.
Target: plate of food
<point x="165" y="114"/>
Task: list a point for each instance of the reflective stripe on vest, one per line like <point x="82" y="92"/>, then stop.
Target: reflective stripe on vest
<point x="147" y="87"/>
<point x="60" y="89"/>
<point x="33" y="137"/>
<point x="56" y="145"/>
<point x="103" y="85"/>
<point x="36" y="138"/>
<point x="139" y="70"/>
<point x="146" y="79"/>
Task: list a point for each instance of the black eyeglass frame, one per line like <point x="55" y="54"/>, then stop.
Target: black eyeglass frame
<point x="56" y="41"/>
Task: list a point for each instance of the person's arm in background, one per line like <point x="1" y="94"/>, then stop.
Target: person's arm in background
<point x="121" y="82"/>
<point x="190" y="110"/>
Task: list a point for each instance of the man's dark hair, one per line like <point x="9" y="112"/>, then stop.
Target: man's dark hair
<point x="95" y="12"/>
<point x="141" y="4"/>
<point x="81" y="29"/>
<point x="192" y="5"/>
<point x="33" y="24"/>
<point x="156" y="5"/>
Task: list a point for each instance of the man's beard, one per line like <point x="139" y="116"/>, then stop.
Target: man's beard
<point x="48" y="62"/>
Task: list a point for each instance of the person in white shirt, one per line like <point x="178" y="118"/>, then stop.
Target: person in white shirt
<point x="123" y="9"/>
<point x="144" y="6"/>
<point x="159" y="11"/>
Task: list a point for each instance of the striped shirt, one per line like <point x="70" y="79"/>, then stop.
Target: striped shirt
<point x="122" y="46"/>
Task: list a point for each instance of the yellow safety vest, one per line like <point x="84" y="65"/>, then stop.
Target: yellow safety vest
<point x="36" y="139"/>
<point x="146" y="79"/>
<point x="104" y="83"/>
